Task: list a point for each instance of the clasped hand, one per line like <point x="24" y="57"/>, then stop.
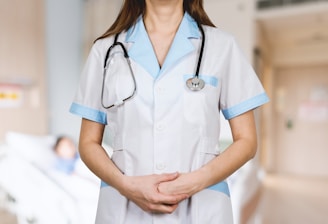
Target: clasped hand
<point x="157" y="193"/>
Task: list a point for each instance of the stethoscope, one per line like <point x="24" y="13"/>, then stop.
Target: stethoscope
<point x="194" y="83"/>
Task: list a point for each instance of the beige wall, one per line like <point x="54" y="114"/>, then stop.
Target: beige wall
<point x="265" y="69"/>
<point x="300" y="114"/>
<point x="99" y="16"/>
<point x="292" y="72"/>
<point x="22" y="56"/>
<point x="236" y="17"/>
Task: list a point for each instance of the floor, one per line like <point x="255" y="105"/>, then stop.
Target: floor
<point x="293" y="200"/>
<point x="7" y="218"/>
<point x="284" y="200"/>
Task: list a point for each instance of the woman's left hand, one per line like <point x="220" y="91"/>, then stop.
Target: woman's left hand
<point x="186" y="183"/>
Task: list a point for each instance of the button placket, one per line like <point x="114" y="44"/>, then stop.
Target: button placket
<point x="159" y="130"/>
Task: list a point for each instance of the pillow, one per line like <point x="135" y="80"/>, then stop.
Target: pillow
<point x="37" y="149"/>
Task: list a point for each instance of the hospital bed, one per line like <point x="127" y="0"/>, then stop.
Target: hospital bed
<point x="38" y="193"/>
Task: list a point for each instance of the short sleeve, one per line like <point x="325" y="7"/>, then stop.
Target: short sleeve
<point x="87" y="101"/>
<point x="241" y="89"/>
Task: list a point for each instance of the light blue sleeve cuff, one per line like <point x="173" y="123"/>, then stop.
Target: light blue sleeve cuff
<point x="89" y="113"/>
<point x="245" y="106"/>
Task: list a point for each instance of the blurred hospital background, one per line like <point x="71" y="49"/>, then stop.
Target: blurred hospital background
<point x="43" y="46"/>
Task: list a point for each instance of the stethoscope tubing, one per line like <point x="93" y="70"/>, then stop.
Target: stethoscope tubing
<point x="126" y="55"/>
<point x="201" y="50"/>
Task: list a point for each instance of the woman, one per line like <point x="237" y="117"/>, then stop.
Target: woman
<point x="66" y="154"/>
<point x="166" y="165"/>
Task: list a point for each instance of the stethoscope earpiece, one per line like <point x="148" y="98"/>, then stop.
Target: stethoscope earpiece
<point x="195" y="84"/>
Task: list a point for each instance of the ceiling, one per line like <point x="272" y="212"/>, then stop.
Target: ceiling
<point x="296" y="34"/>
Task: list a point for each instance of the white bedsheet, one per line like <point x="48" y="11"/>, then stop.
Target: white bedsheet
<point x="46" y="196"/>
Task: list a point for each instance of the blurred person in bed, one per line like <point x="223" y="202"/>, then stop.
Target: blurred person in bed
<point x="67" y="154"/>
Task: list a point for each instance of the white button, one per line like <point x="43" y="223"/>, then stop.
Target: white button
<point x="160" y="127"/>
<point x="160" y="166"/>
<point x="160" y="90"/>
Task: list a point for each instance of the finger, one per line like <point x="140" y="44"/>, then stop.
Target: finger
<point x="167" y="177"/>
<point x="172" y="199"/>
<point x="163" y="208"/>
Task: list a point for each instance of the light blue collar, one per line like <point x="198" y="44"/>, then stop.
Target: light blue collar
<point x="142" y="51"/>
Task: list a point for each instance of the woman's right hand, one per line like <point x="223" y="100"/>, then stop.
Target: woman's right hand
<point x="143" y="191"/>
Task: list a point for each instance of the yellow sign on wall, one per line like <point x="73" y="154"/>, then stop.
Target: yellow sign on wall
<point x="11" y="95"/>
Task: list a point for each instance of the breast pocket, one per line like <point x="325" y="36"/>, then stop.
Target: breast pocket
<point x="199" y="104"/>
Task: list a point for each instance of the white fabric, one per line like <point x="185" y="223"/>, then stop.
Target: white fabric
<point x="42" y="193"/>
<point x="166" y="127"/>
<point x="37" y="149"/>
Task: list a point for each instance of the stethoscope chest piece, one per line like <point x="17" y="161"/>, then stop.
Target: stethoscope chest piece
<point x="195" y="84"/>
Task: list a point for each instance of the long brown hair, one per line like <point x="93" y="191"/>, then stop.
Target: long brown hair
<point x="132" y="9"/>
